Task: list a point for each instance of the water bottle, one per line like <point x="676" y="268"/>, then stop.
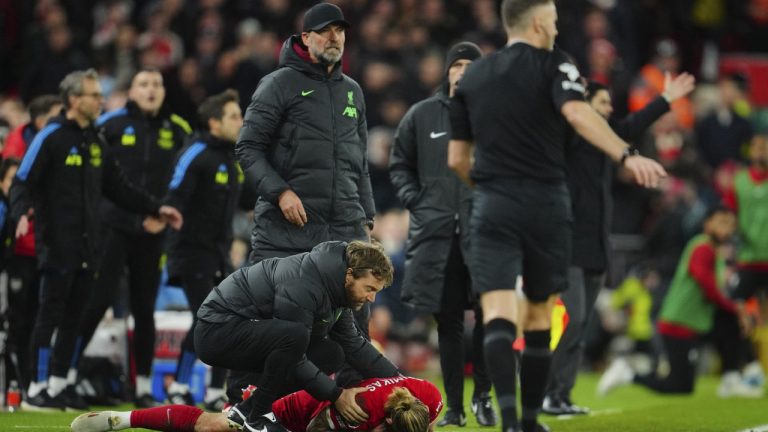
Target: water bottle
<point x="13" y="396"/>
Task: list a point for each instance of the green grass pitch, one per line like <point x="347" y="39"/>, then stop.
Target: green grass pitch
<point x="628" y="409"/>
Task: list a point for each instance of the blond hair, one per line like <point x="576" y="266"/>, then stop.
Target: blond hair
<point x="407" y="413"/>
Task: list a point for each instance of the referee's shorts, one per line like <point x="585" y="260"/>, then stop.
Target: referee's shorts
<point x="521" y="226"/>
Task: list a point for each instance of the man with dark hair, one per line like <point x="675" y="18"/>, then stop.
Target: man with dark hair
<point x="437" y="279"/>
<point x="144" y="137"/>
<point x="205" y="186"/>
<point x="23" y="273"/>
<point x="290" y="319"/>
<point x="62" y="177"/>
<point x="512" y="105"/>
<point x="304" y="141"/>
<point x="589" y="178"/>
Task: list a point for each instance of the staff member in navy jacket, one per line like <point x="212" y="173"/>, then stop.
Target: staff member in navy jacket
<point x="205" y="186"/>
<point x="63" y="177"/>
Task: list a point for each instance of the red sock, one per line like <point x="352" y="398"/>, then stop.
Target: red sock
<point x="181" y="418"/>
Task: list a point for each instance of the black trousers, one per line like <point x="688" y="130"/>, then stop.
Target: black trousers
<point x="735" y="350"/>
<point x="579" y="300"/>
<point x="197" y="286"/>
<point x="264" y="353"/>
<point x="450" y="332"/>
<point x="140" y="255"/>
<point x="63" y="294"/>
<point x="683" y="356"/>
<point x="23" y="293"/>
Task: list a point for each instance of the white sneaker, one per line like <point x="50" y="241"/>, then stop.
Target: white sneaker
<point x="753" y="375"/>
<point x="102" y="421"/>
<point x="618" y="374"/>
<point x="732" y="385"/>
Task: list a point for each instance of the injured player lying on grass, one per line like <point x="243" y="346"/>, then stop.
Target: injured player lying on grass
<point x="396" y="404"/>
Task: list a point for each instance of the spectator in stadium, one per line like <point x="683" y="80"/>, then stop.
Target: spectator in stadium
<point x="512" y="105"/>
<point x="304" y="142"/>
<point x="144" y="137"/>
<point x="290" y="319"/>
<point x="23" y="273"/>
<point x="649" y="83"/>
<point x="41" y="109"/>
<point x="437" y="279"/>
<point x="400" y="403"/>
<point x="723" y="134"/>
<point x="688" y="311"/>
<point x="205" y="187"/>
<point x="589" y="178"/>
<point x="63" y="177"/>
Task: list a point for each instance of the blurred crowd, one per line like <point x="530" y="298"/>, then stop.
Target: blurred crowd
<point x="395" y="49"/>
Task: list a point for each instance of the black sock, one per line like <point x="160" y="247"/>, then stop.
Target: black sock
<point x="534" y="372"/>
<point x="500" y="334"/>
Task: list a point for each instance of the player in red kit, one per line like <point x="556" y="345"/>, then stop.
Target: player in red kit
<point x="401" y="404"/>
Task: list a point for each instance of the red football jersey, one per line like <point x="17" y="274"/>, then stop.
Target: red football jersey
<point x="297" y="409"/>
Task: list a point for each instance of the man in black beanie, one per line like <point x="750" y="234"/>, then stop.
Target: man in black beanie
<point x="437" y="280"/>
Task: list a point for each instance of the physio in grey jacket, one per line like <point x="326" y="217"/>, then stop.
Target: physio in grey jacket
<point x="304" y="141"/>
<point x="437" y="280"/>
<point x="291" y="320"/>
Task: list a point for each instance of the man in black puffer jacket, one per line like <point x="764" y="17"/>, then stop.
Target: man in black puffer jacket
<point x="291" y="320"/>
<point x="304" y="142"/>
<point x="437" y="279"/>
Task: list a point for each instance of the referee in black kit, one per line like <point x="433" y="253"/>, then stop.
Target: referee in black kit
<point x="516" y="106"/>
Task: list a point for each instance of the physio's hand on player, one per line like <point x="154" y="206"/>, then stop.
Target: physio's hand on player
<point x="348" y="407"/>
<point x="678" y="87"/>
<point x="292" y="208"/>
<point x="647" y="172"/>
<point x="153" y="225"/>
<point x="172" y="216"/>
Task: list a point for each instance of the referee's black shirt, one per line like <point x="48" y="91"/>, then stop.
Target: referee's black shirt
<point x="508" y="103"/>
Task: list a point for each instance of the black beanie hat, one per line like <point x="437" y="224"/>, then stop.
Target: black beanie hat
<point x="462" y="51"/>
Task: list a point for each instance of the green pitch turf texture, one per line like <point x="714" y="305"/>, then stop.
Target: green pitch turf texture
<point x="628" y="409"/>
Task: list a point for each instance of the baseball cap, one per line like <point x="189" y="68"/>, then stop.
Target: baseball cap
<point x="321" y="15"/>
<point x="462" y="51"/>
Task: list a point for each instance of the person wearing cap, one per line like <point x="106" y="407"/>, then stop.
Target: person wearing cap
<point x="304" y="144"/>
<point x="437" y="279"/>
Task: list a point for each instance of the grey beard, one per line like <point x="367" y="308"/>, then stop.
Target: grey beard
<point x="329" y="59"/>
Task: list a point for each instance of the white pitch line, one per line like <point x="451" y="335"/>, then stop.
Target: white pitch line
<point x="40" y="427"/>
<point x="761" y="428"/>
